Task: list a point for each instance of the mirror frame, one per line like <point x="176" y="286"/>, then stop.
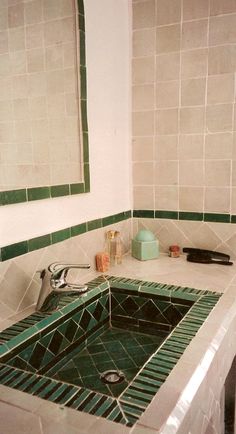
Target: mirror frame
<point x="47" y="192"/>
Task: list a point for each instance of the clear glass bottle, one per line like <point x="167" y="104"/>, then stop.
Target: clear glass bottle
<point x="114" y="247"/>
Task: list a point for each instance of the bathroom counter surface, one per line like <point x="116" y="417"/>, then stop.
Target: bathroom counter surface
<point x="189" y="400"/>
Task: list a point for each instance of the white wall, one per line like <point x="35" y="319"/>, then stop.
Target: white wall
<point x="108" y="68"/>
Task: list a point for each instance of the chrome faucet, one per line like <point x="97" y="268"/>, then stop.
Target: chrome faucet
<point x="54" y="279"/>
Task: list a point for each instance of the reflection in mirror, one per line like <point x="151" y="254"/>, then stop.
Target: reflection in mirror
<point x="40" y="127"/>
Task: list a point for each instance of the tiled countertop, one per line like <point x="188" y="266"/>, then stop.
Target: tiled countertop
<point x="181" y="405"/>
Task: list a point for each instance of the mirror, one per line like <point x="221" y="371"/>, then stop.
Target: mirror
<point x="43" y="111"/>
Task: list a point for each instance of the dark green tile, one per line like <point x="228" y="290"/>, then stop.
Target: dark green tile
<point x="14" y="250"/>
<point x="81" y="7"/>
<point x="85" y="147"/>
<point x="39" y="242"/>
<point x="84" y="115"/>
<point x="78" y="229"/>
<point x="60" y="190"/>
<point x="219" y="218"/>
<point x="83" y="83"/>
<point x="13" y="196"/>
<point x="77" y="188"/>
<point x="106" y="221"/>
<point x="166" y="214"/>
<point x="196" y="216"/>
<point x="62" y="235"/>
<point x="233" y="218"/>
<point x="86" y="178"/>
<point x="143" y="213"/>
<point x="94" y="224"/>
<point x="38" y="193"/>
<point x="82" y="48"/>
<point x="81" y="22"/>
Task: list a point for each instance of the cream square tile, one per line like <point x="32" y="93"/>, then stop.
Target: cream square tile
<point x="55" y="82"/>
<point x="37" y="84"/>
<point x="167" y="66"/>
<point x="143" y="173"/>
<point x="38" y="108"/>
<point x="34" y="36"/>
<point x="6" y="132"/>
<point x="167" y="121"/>
<point x="194" y="34"/>
<point x="6" y="88"/>
<point x="52" y="32"/>
<point x="191" y="147"/>
<point x="167" y="94"/>
<point x="222" y="59"/>
<point x="217" y="173"/>
<point x="191" y="172"/>
<point x="21" y="109"/>
<point x="168" y="12"/>
<point x="219" y="146"/>
<point x="68" y="29"/>
<point x="18" y="62"/>
<point x="219" y="7"/>
<point x="3" y="18"/>
<point x="193" y="91"/>
<point x="20" y="86"/>
<point x="54" y="57"/>
<point x="4" y="42"/>
<point x="220" y="88"/>
<point x="191" y="198"/>
<point x="40" y="130"/>
<point x="222" y="30"/>
<point x="168" y="38"/>
<point x="144" y="42"/>
<point x="142" y="149"/>
<point x="233" y="200"/>
<point x="193" y="10"/>
<point x="217" y="199"/>
<point x="144" y="197"/>
<point x="16" y="15"/>
<point x="22" y="131"/>
<point x="166" y="198"/>
<point x="6" y="111"/>
<point x="56" y="105"/>
<point x="143" y="70"/>
<point x="192" y="120"/>
<point x="143" y="97"/>
<point x="166" y="172"/>
<point x="16" y="39"/>
<point x="72" y="105"/>
<point x="219" y="118"/>
<point x="69" y="55"/>
<point x="70" y="80"/>
<point x="194" y="63"/>
<point x="166" y="148"/>
<point x="143" y="123"/>
<point x="35" y="60"/>
<point x="234" y="173"/>
<point x="144" y="14"/>
<point x="33" y="12"/>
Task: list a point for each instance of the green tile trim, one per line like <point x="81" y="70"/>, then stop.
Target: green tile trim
<point x="39" y="242"/>
<point x="94" y="224"/>
<point x="13" y="196"/>
<point x="38" y="193"/>
<point x="166" y="214"/>
<point x="143" y="213"/>
<point x="77" y="188"/>
<point x="195" y="216"/>
<point x="78" y="229"/>
<point x="14" y="250"/>
<point x="219" y="218"/>
<point x="233" y="218"/>
<point x="62" y="235"/>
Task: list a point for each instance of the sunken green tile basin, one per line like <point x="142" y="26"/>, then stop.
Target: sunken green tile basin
<point x="128" y="331"/>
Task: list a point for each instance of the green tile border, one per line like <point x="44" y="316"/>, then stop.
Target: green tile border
<point x="23" y="247"/>
<point x="49" y="192"/>
<point x="185" y="215"/>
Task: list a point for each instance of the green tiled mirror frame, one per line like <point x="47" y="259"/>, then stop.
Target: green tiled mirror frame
<point x="28" y="194"/>
<point x="41" y="340"/>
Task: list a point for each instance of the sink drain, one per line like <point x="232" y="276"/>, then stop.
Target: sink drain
<point x="112" y="377"/>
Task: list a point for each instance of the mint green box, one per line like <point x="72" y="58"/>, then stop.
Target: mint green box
<point x="145" y="246"/>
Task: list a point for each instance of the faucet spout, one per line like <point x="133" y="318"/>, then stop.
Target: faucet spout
<point x="54" y="278"/>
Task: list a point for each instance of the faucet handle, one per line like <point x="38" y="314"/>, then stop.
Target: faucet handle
<point x="60" y="271"/>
